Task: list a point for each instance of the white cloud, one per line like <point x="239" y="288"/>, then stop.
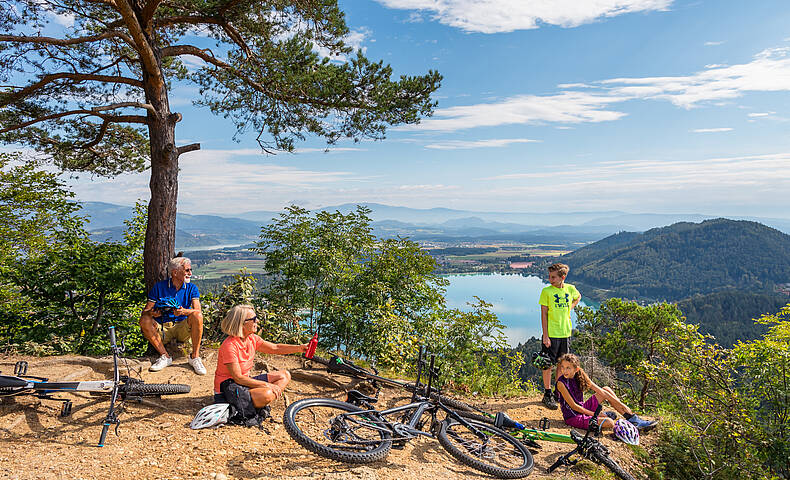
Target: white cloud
<point x="760" y="114"/>
<point x="566" y="107"/>
<point x="769" y="71"/>
<point x="219" y="181"/>
<point x="492" y="16"/>
<point x="489" y="143"/>
<point x="713" y="44"/>
<point x="712" y="130"/>
<point x="354" y="39"/>
<point x="727" y="184"/>
<point x="426" y="187"/>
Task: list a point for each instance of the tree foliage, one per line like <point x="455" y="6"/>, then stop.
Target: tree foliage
<point x="95" y="96"/>
<point x="60" y="289"/>
<point x="624" y="335"/>
<point x="729" y="316"/>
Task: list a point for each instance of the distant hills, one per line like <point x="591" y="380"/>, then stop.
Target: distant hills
<point x="434" y="224"/>
<point x="684" y="259"/>
<point x="106" y="223"/>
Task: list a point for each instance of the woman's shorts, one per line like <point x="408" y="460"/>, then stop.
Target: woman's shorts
<point x="582" y="421"/>
<point x="231" y="392"/>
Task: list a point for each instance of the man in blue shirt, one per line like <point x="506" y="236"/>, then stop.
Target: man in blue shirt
<point x="182" y="322"/>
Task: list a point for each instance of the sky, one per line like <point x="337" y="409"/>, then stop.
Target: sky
<point x="546" y="106"/>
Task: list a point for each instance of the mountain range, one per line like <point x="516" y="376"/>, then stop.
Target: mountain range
<point x="434" y="224"/>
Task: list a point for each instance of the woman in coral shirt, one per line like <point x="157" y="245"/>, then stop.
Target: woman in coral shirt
<point x="236" y="358"/>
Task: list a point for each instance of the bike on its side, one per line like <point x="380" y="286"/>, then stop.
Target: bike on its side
<point x="355" y="432"/>
<point x="121" y="387"/>
<point x="588" y="446"/>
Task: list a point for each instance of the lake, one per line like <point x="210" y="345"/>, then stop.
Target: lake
<point x="514" y="299"/>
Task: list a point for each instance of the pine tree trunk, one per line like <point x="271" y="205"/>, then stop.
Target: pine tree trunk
<point x="160" y="233"/>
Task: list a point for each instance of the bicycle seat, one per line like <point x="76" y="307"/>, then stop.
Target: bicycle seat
<point x="355" y="397"/>
<point x="503" y="420"/>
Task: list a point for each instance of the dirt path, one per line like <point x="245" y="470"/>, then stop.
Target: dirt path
<point x="154" y="440"/>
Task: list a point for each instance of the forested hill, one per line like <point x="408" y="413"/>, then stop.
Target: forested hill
<point x="684" y="259"/>
<point x="728" y="316"/>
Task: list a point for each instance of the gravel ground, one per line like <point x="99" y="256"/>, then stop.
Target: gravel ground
<point x="154" y="440"/>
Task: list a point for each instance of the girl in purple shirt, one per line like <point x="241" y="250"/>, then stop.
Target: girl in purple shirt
<point x="571" y="385"/>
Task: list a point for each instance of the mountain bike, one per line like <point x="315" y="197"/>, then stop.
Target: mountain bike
<point x="120" y="387"/>
<point x="355" y="432"/>
<point x="588" y="446"/>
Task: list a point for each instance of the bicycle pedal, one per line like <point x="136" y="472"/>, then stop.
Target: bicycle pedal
<point x="544" y="423"/>
<point x="65" y="409"/>
<point x="20" y="368"/>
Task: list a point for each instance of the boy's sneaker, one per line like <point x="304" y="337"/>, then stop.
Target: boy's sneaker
<point x="197" y="365"/>
<point x="642" y="425"/>
<point x="160" y="363"/>
<point x="549" y="402"/>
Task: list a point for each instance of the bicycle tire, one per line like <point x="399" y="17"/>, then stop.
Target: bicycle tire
<point x="139" y="389"/>
<point x="324" y="411"/>
<point x="611" y="464"/>
<point x="488" y="459"/>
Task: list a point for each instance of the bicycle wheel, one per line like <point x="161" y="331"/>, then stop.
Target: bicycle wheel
<point x="608" y="462"/>
<point x="318" y="424"/>
<point x="500" y="455"/>
<point x="139" y="389"/>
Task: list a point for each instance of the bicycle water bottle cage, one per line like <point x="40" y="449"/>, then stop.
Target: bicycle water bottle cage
<point x="355" y="397"/>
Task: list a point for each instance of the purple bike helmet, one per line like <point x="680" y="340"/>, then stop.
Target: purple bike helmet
<point x="626" y="432"/>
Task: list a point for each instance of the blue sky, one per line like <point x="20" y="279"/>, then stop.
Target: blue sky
<point x="547" y="105"/>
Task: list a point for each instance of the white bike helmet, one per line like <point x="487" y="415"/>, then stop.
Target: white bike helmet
<point x="626" y="432"/>
<point x="212" y="415"/>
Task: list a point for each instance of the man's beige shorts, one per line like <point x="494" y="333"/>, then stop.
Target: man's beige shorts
<point x="178" y="331"/>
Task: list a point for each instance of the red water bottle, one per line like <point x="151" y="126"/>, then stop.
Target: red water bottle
<point x="311" y="346"/>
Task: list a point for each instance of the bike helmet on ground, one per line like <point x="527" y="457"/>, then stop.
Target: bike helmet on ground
<point x="541" y="360"/>
<point x="626" y="432"/>
<point x="211" y="416"/>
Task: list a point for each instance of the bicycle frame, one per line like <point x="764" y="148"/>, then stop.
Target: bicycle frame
<point x="22" y="384"/>
<point x="421" y="403"/>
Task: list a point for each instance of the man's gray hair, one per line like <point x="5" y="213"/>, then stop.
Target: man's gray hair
<point x="176" y="263"/>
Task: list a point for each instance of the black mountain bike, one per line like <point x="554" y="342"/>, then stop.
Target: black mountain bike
<point x="587" y="446"/>
<point x="120" y="387"/>
<point x="355" y="432"/>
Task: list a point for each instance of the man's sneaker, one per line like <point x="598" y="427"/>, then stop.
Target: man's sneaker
<point x="642" y="425"/>
<point x="197" y="365"/>
<point x="549" y="402"/>
<point x="160" y="363"/>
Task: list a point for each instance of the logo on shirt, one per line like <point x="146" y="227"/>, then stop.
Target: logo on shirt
<point x="557" y="301"/>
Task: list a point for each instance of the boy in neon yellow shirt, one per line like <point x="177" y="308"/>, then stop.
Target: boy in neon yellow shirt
<point x="556" y="303"/>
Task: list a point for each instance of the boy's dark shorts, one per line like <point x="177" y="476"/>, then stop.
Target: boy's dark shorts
<point x="558" y="348"/>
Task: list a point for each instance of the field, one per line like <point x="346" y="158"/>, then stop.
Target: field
<point x="223" y="268"/>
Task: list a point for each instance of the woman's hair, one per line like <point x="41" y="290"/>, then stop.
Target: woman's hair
<point x="176" y="263"/>
<point x="234" y="321"/>
<point x="581" y="375"/>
